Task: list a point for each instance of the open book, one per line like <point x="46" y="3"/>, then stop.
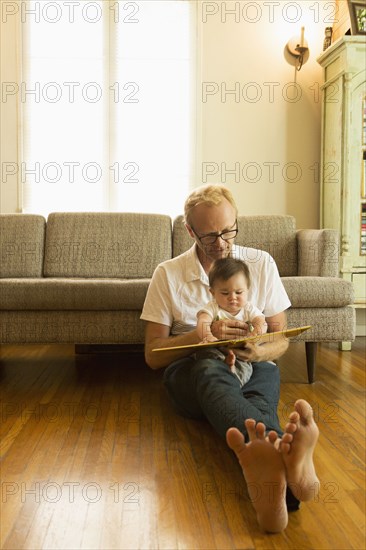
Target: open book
<point x="267" y="337"/>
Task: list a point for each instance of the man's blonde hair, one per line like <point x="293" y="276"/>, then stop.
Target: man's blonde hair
<point x="210" y="195"/>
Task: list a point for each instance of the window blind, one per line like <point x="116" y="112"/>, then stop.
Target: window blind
<point x="107" y="105"/>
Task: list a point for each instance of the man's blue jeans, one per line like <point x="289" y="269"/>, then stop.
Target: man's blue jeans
<point x="206" y="388"/>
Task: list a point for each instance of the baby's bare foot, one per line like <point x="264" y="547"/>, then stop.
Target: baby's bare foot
<point x="264" y="473"/>
<point x="297" y="448"/>
<point x="230" y="360"/>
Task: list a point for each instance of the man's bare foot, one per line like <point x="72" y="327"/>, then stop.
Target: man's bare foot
<point x="264" y="473"/>
<point x="297" y="448"/>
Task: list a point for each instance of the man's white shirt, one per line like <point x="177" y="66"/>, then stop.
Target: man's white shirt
<point x="179" y="288"/>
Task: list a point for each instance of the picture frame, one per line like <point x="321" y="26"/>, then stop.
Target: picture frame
<point x="357" y="12"/>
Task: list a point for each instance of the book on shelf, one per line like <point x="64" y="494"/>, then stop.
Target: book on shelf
<point x="240" y="343"/>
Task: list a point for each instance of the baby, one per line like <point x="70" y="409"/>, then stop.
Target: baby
<point x="229" y="284"/>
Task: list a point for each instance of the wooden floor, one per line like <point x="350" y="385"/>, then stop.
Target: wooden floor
<point x="92" y="456"/>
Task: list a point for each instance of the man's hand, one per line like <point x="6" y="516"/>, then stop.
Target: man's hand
<point x="209" y="338"/>
<point x="229" y="330"/>
<point x="251" y="353"/>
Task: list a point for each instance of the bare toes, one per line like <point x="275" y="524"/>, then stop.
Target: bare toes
<point x="272" y="436"/>
<point x="235" y="440"/>
<point x="285" y="447"/>
<point x="294" y="417"/>
<point x="251" y="429"/>
<point x="305" y="411"/>
<point x="290" y="428"/>
<point x="261" y="430"/>
<point x="287" y="438"/>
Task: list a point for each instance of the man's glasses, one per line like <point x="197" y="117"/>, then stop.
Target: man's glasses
<point x="226" y="235"/>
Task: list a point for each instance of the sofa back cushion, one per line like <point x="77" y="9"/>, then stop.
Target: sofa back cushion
<point x="274" y="234"/>
<point x="120" y="245"/>
<point x="21" y="245"/>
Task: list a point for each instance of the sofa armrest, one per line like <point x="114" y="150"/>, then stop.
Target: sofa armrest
<point x="318" y="252"/>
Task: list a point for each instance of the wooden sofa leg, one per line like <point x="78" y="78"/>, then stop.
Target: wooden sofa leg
<point x="311" y="349"/>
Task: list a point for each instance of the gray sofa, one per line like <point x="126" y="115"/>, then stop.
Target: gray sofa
<point x="81" y="278"/>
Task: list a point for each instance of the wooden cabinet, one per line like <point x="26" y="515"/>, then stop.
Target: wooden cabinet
<point x="343" y="157"/>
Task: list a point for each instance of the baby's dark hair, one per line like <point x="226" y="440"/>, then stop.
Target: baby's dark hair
<point x="224" y="268"/>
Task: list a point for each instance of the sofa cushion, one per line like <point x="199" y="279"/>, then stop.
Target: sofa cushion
<point x="328" y="324"/>
<point x="318" y="252"/>
<point x="63" y="327"/>
<point x="119" y="245"/>
<point x="72" y="294"/>
<point x="274" y="234"/>
<point x="21" y="245"/>
<point x="318" y="292"/>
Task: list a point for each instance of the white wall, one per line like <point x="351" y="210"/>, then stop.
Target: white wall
<point x="274" y="138"/>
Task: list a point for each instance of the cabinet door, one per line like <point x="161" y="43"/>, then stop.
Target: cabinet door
<point x="332" y="153"/>
<point x="355" y="166"/>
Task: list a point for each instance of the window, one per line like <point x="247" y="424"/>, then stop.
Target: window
<point x="107" y="101"/>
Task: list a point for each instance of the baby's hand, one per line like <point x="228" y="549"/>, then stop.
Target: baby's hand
<point x="250" y="329"/>
<point x="253" y="330"/>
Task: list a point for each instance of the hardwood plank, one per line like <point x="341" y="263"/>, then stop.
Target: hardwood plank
<point x="93" y="456"/>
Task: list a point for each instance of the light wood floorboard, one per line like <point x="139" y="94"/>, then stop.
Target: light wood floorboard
<point x="93" y="457"/>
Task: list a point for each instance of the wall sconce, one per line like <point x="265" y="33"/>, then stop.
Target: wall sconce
<point x="298" y="48"/>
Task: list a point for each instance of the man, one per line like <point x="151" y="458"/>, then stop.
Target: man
<point x="282" y="469"/>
